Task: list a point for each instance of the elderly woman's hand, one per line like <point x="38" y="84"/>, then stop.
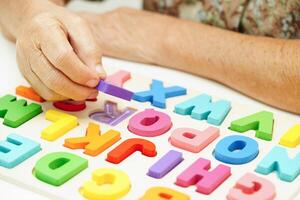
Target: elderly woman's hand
<point x="57" y="53"/>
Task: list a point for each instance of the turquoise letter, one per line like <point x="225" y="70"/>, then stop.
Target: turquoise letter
<point x="201" y="107"/>
<point x="278" y="160"/>
<point x="16" y="149"/>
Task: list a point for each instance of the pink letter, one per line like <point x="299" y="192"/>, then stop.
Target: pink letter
<point x="252" y="187"/>
<point x="193" y="140"/>
<point x="205" y="181"/>
<point x="149" y="123"/>
<point x="118" y="78"/>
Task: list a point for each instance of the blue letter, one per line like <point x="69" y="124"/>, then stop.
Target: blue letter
<point x="158" y="94"/>
<point x="236" y="149"/>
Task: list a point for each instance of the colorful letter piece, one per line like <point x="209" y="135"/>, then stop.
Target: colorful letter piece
<point x="163" y="193"/>
<point x="201" y="107"/>
<point x="205" y="181"/>
<point x="69" y="105"/>
<point x="252" y="187"/>
<point x="111" y="115"/>
<point x="277" y="160"/>
<point x="130" y="146"/>
<point x="115" y="90"/>
<point x="16" y="112"/>
<point x="236" y="149"/>
<point x="261" y="122"/>
<point x="94" y="143"/>
<point x="16" y="149"/>
<point x="57" y="168"/>
<point x="165" y="164"/>
<point x="28" y="93"/>
<point x="92" y="100"/>
<point x="292" y="137"/>
<point x="118" y="78"/>
<point x="193" y="140"/>
<point x="62" y="124"/>
<point x="150" y="123"/>
<point x="158" y="94"/>
<point x="106" y="184"/>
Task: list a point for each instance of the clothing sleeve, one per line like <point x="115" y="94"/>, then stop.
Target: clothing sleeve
<point x="225" y="14"/>
<point x="274" y="18"/>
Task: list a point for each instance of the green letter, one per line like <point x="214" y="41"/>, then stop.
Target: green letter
<point x="261" y="122"/>
<point x="57" y="168"/>
<point x="16" y="112"/>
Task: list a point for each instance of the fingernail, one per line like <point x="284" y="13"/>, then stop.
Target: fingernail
<point x="92" y="83"/>
<point x="93" y="95"/>
<point x="100" y="70"/>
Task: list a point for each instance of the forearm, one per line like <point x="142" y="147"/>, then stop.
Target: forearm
<point x="264" y="68"/>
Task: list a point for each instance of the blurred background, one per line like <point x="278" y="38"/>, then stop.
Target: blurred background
<point x="103" y="6"/>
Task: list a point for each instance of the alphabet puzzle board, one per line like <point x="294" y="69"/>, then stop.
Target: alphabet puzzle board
<point x="240" y="142"/>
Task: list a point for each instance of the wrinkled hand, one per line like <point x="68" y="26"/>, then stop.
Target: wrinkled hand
<point x="58" y="55"/>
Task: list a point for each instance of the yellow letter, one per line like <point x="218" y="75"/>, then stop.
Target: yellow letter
<point x="106" y="184"/>
<point x="292" y="137"/>
<point x="62" y="124"/>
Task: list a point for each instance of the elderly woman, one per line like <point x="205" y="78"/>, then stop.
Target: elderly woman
<point x="249" y="45"/>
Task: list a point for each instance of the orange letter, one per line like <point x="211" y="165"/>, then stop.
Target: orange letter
<point x="163" y="193"/>
<point x="130" y="146"/>
<point x="94" y="143"/>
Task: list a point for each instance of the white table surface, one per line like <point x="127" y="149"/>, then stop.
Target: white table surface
<point x="10" y="78"/>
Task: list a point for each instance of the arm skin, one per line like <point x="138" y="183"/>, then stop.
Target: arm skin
<point x="266" y="69"/>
